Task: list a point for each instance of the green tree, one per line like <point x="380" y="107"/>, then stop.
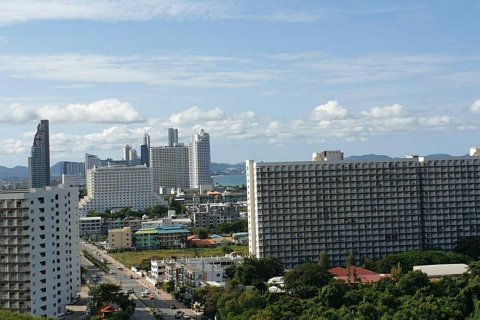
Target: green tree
<point x="254" y="270"/>
<point x="305" y="279"/>
<point x="323" y="260"/>
<point x="469" y="246"/>
<point x="413" y="281"/>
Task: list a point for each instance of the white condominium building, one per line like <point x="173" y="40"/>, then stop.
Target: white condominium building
<point x="296" y="210"/>
<point x="200" y="173"/>
<point x="118" y="186"/>
<point x="170" y="166"/>
<point x="39" y="250"/>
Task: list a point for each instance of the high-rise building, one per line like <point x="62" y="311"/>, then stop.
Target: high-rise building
<point x="127" y="153"/>
<point x="172" y="137"/>
<point x="39" y="161"/>
<point x="119" y="186"/>
<point x="296" y="210"/>
<point x="170" y="166"/>
<point x="145" y="151"/>
<point x="200" y="173"/>
<point x="73" y="168"/>
<point x="39" y="250"/>
<point x="92" y="161"/>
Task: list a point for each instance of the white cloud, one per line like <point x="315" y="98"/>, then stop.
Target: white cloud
<point x="195" y="115"/>
<point x="12" y="146"/>
<point x="162" y="70"/>
<point x="101" y="111"/>
<point x="435" y="121"/>
<point x="394" y="110"/>
<point x="17" y="11"/>
<point x="475" y="107"/>
<point x="330" y="110"/>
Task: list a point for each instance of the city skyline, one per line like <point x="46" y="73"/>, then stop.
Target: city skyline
<point x="269" y="81"/>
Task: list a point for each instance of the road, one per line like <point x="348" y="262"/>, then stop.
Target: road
<point x="128" y="279"/>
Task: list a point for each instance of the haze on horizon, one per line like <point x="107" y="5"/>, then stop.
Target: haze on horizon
<point x="270" y="80"/>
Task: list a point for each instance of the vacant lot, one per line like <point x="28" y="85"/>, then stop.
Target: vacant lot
<point x="135" y="258"/>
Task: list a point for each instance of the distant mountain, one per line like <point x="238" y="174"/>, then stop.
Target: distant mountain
<point x="16" y="172"/>
<point x="369" y="157"/>
<point x="56" y="170"/>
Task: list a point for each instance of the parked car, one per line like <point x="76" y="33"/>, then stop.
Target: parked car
<point x="172" y="306"/>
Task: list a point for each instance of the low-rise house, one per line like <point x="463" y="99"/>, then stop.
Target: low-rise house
<point x="90" y="227"/>
<point x="120" y="238"/>
<point x="192" y="273"/>
<point x="195" y="242"/>
<point x="356" y="275"/>
<point x="161" y="238"/>
<point x="208" y="215"/>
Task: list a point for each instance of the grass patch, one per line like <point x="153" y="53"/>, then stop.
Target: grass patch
<point x="135" y="258"/>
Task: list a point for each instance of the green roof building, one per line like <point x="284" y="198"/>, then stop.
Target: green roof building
<point x="161" y="238"/>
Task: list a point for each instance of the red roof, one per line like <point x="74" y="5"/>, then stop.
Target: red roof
<point x="107" y="309"/>
<point x="356" y="275"/>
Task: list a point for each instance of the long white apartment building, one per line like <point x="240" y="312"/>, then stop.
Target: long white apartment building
<point x="296" y="210"/>
<point x="119" y="186"/>
<point x="39" y="250"/>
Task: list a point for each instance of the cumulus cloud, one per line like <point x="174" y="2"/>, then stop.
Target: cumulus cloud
<point x="12" y="146"/>
<point x="101" y="111"/>
<point x="330" y="110"/>
<point x="195" y="115"/>
<point x="394" y="110"/>
<point x="434" y="121"/>
<point x="475" y="107"/>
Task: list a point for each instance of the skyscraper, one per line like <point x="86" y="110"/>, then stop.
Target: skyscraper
<point x="200" y="160"/>
<point x="126" y="153"/>
<point x="145" y="151"/>
<point x="172" y="137"/>
<point x="39" y="161"/>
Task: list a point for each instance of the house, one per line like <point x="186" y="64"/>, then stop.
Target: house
<point x="356" y="275"/>
<point x="196" y="242"/>
<point x="106" y="311"/>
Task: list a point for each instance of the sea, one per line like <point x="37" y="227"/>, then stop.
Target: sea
<point x="230" y="180"/>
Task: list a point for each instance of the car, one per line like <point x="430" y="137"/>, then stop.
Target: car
<point x="145" y="294"/>
<point x="119" y="268"/>
<point x="131" y="277"/>
<point x="129" y="291"/>
<point x="111" y="272"/>
<point x="67" y="312"/>
<point x="177" y="316"/>
<point x="186" y="317"/>
<point x="172" y="306"/>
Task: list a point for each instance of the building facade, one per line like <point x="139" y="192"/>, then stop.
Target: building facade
<point x="208" y="215"/>
<point x="200" y="162"/>
<point x="120" y="238"/>
<point x="296" y="210"/>
<point x="172" y="137"/>
<point x="39" y="160"/>
<point x="145" y="151"/>
<point x="161" y="238"/>
<point x="73" y="168"/>
<point x="90" y="227"/>
<point x="39" y="259"/>
<point x="191" y="273"/>
<point x="170" y="166"/>
<point x="116" y="187"/>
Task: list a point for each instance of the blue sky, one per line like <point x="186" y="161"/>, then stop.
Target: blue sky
<point x="270" y="80"/>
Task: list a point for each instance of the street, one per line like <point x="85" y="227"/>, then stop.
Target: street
<point x="162" y="301"/>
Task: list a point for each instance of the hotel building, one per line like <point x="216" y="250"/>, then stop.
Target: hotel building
<point x="296" y="210"/>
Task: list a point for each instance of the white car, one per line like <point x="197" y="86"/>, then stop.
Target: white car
<point x="145" y="294"/>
